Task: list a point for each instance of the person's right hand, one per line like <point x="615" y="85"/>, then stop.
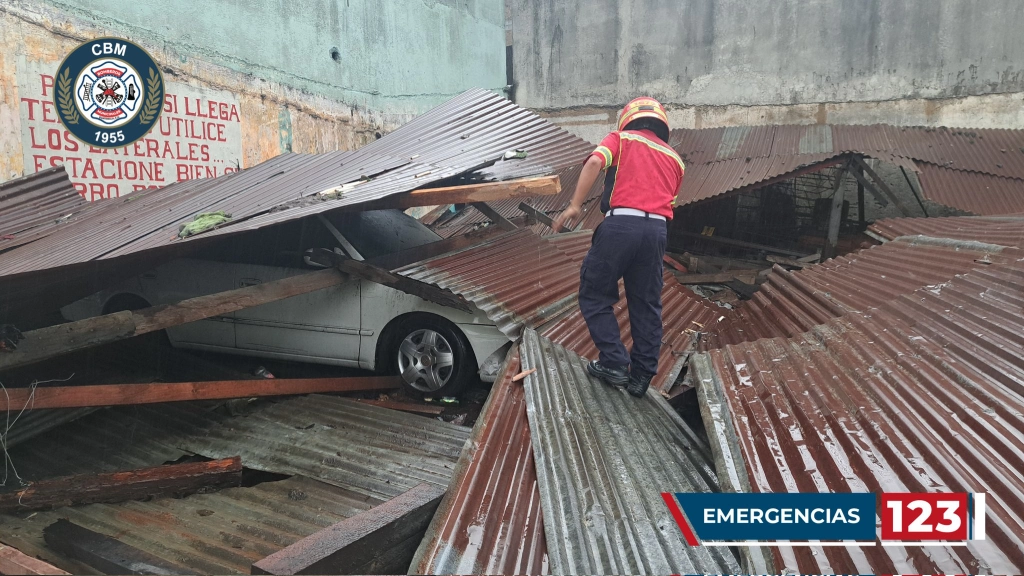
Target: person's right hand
<point x="566" y="215"/>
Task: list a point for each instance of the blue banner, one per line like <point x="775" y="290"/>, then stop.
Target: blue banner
<point x="787" y="516"/>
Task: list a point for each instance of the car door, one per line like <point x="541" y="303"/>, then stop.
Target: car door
<point x="187" y="278"/>
<point x="321" y="325"/>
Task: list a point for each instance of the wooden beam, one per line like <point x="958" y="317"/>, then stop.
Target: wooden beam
<point x="63" y="338"/>
<point x="917" y="196"/>
<point x="372" y="273"/>
<point x="745" y="276"/>
<point x="105" y="554"/>
<point x="862" y="222"/>
<point x="13" y="561"/>
<point x="381" y="540"/>
<point x="161" y="317"/>
<point x="157" y="392"/>
<point x="739" y="244"/>
<point x="881" y="185"/>
<point x="173" y="479"/>
<point x="496" y="218"/>
<point x="470" y="193"/>
<point x="834" y="216"/>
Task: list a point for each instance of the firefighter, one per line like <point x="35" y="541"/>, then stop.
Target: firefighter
<point x="642" y="177"/>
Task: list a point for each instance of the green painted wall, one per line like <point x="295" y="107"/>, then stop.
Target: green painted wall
<point x="401" y="56"/>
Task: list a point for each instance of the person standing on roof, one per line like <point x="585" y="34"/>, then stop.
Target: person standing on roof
<point x="643" y="176"/>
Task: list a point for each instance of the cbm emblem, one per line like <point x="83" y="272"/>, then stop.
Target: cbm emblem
<point x="109" y="92"/>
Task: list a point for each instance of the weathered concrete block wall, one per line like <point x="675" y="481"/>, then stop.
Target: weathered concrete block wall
<point x="303" y="75"/>
<point x="729" y="62"/>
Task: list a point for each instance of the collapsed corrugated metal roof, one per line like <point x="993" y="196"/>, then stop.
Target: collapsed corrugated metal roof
<point x="521" y="279"/>
<point x="37" y="205"/>
<point x="343" y="456"/>
<point x="490" y="520"/>
<point x="922" y="393"/>
<point x="465" y="135"/>
<point x="1004" y="231"/>
<point x="603" y="458"/>
<point x="517" y="279"/>
<point x="979" y="171"/>
<point x="790" y="303"/>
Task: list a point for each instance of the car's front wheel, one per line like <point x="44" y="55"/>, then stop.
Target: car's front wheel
<point x="433" y="357"/>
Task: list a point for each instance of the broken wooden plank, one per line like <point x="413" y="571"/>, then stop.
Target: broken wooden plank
<point x="381" y="540"/>
<point x="371" y="273"/>
<point x="740" y="244"/>
<point x="835" y="215"/>
<point x="747" y="276"/>
<point x="201" y="307"/>
<point x="470" y="193"/>
<point x="787" y="261"/>
<point x="105" y="554"/>
<point x="404" y="406"/>
<point x="496" y="218"/>
<point x="878" y="184"/>
<point x="63" y="338"/>
<point x="13" y="561"/>
<point x="112" y="487"/>
<point x="153" y="393"/>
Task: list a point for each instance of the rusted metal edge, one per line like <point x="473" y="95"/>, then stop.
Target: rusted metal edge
<point x="727" y="455"/>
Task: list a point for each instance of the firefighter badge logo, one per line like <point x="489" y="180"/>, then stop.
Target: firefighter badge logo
<point x="108" y="92"/>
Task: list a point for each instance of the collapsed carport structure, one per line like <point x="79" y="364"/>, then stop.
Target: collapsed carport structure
<point x="560" y="474"/>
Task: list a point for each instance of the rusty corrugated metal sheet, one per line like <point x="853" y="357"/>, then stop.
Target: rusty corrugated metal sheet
<point x="790" y="303"/>
<point x="973" y="192"/>
<point x="37" y="205"/>
<point x="517" y="279"/>
<point x="456" y="137"/>
<point x="344" y="457"/>
<point x="490" y="520"/>
<point x="722" y="160"/>
<point x="922" y="394"/>
<point x="703" y="181"/>
<point x="603" y="458"/>
<point x="1000" y="230"/>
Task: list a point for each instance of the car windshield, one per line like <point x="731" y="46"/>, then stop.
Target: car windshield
<point x="379" y="232"/>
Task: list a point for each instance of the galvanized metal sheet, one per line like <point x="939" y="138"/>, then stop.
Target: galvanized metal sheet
<point x="218" y="533"/>
<point x="603" y="459"/>
<point x="344" y="457"/>
<point x="490" y="520"/>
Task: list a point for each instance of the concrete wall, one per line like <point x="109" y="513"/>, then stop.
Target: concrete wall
<point x="729" y="62"/>
<point x="305" y="75"/>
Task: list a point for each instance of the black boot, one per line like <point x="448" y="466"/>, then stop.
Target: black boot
<point x="638" y="383"/>
<point x="610" y="376"/>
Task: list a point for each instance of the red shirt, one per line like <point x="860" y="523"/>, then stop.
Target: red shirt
<point x="643" y="172"/>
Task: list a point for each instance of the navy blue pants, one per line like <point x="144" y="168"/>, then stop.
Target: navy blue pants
<point x="630" y="248"/>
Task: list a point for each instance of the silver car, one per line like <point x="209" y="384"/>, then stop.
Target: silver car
<point x="437" y="350"/>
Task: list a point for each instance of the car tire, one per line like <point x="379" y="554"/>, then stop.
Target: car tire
<point x="432" y="356"/>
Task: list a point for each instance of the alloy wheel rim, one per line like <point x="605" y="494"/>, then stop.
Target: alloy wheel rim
<point x="426" y="360"/>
